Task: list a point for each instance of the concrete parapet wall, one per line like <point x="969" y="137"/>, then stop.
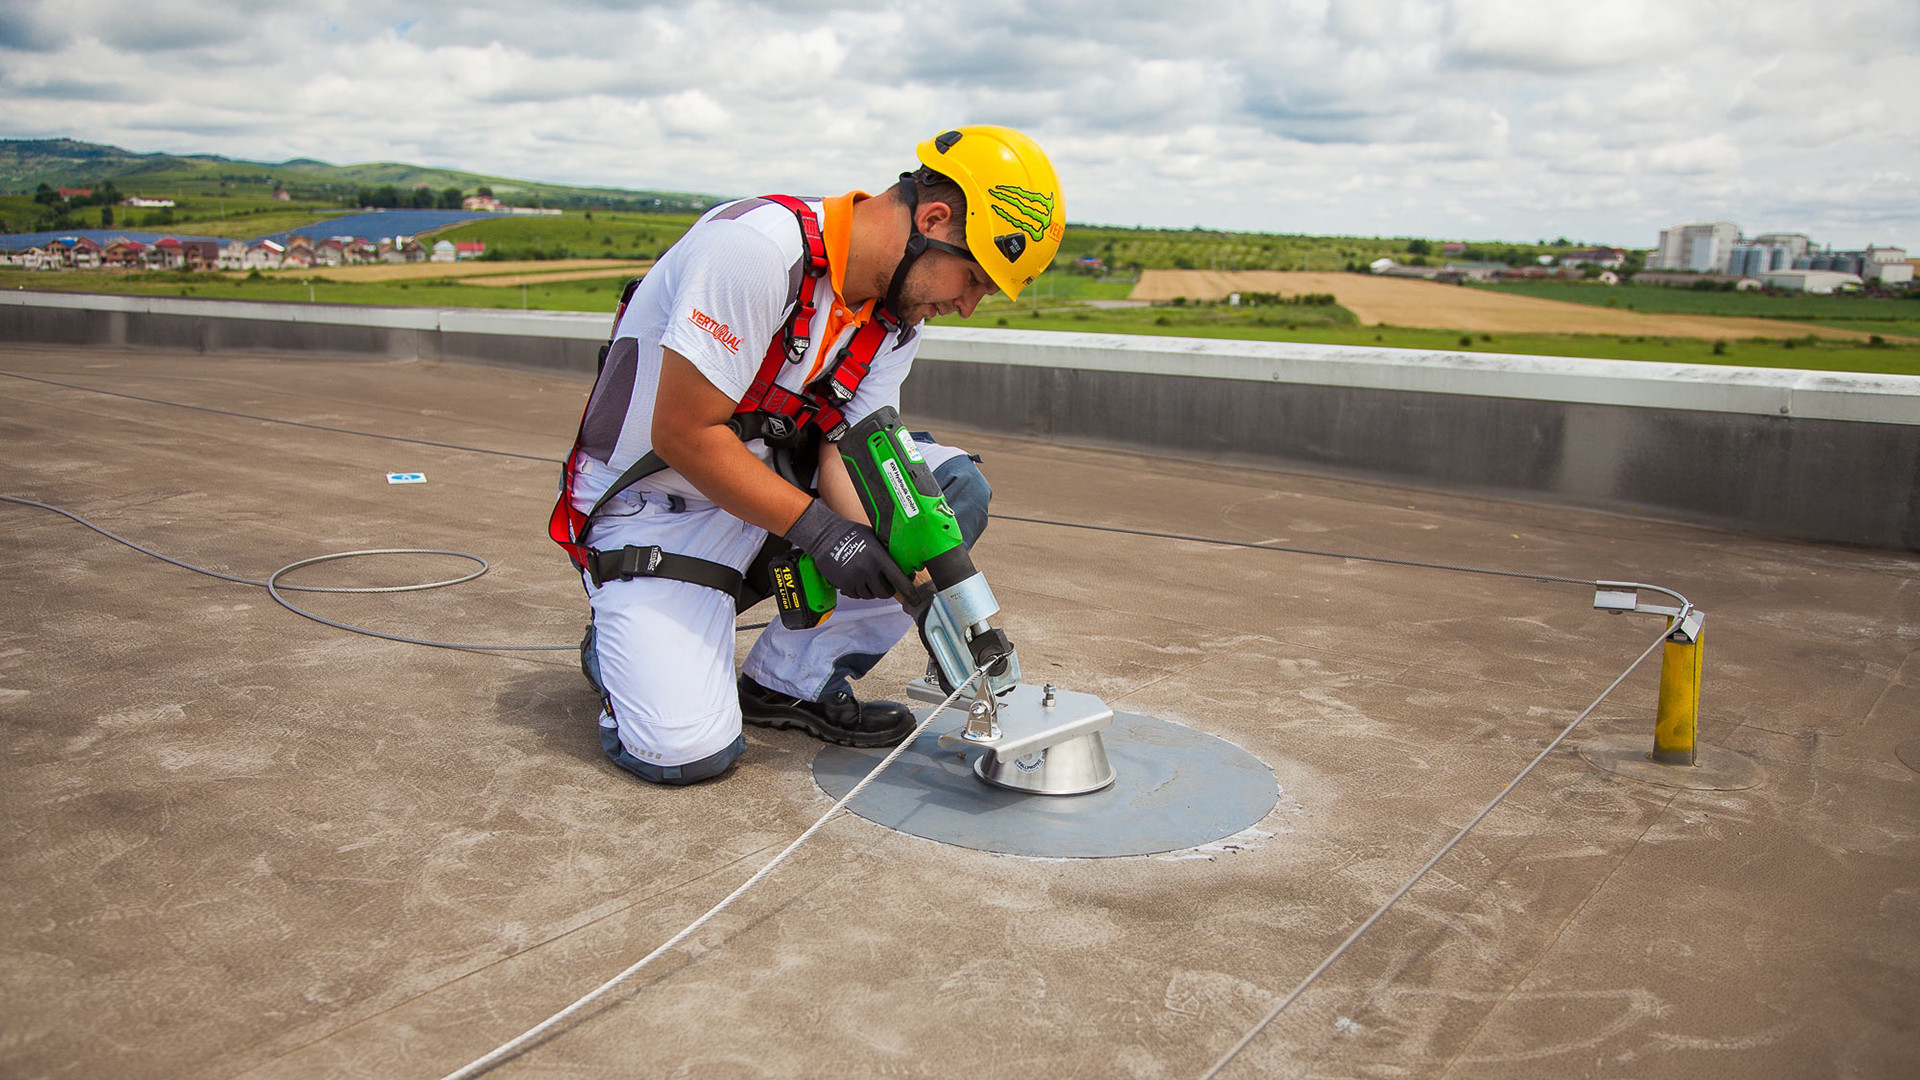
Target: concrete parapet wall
<point x="1800" y="454"/>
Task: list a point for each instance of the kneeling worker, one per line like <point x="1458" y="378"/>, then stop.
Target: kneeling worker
<point x="709" y="444"/>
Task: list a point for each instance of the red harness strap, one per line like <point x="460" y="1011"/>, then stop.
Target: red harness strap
<point x="818" y="404"/>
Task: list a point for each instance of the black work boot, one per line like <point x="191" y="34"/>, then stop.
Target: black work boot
<point x="837" y="718"/>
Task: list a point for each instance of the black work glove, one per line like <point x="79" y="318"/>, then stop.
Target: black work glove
<point x="849" y="555"/>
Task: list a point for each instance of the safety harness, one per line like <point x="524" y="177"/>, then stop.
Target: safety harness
<point x="792" y="424"/>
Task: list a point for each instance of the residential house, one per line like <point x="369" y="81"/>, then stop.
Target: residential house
<point x="167" y="254"/>
<point x="480" y="202"/>
<point x="83" y="253"/>
<point x="470" y="249"/>
<point x="233" y="255"/>
<point x="57" y="254"/>
<point x="443" y="251"/>
<point x="124" y="254"/>
<point x="329" y="252"/>
<point x="265" y="255"/>
<point x="201" y="254"/>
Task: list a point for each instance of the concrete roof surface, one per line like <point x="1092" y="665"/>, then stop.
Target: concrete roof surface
<point x="242" y="844"/>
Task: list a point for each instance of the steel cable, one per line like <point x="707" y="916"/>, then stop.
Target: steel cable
<point x="520" y="1042"/>
<point x="514" y="1046"/>
<point x="1273" y="1014"/>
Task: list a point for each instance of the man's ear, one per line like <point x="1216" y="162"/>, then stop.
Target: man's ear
<point x="932" y="215"/>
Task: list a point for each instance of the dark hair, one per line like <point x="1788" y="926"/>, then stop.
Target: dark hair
<point x="933" y="186"/>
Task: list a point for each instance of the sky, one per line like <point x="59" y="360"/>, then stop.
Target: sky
<point x="1602" y="121"/>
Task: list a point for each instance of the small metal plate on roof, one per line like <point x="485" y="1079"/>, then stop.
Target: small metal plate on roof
<point x="1175" y="788"/>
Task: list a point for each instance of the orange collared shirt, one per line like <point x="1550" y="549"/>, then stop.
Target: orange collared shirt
<point x="836" y="232"/>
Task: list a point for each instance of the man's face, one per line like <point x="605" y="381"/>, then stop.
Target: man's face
<point x="941" y="284"/>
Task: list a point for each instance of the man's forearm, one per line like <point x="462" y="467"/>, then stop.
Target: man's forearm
<point x="836" y="487"/>
<point x="690" y="433"/>
<point x="721" y="467"/>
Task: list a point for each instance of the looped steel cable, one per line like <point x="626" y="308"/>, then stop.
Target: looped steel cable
<point x="273" y="585"/>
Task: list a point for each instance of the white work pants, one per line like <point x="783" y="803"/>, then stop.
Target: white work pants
<point x="665" y="648"/>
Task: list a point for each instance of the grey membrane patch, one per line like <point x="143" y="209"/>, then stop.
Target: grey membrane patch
<point x="1174" y="788"/>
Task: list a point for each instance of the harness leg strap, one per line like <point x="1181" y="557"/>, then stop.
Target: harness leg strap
<point x="633" y="561"/>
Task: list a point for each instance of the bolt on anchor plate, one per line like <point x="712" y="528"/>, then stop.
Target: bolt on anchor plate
<point x="1033" y="739"/>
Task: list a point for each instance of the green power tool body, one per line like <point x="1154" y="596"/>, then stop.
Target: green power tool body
<point x="911" y="517"/>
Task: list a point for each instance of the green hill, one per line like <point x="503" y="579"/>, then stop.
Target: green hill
<point x="27" y="163"/>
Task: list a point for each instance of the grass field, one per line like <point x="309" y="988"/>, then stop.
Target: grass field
<point x="618" y="234"/>
<point x="598" y="295"/>
<point x="1284" y="324"/>
<point x="1875" y="315"/>
<point x="1057" y="302"/>
<point x="1396" y="301"/>
<point x="530" y="271"/>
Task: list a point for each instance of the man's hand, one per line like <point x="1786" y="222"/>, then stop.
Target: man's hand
<point x="849" y="555"/>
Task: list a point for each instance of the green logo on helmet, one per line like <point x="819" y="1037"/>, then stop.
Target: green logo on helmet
<point x="1032" y="212"/>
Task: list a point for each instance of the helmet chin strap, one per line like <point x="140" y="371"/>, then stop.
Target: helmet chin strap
<point x="918" y="244"/>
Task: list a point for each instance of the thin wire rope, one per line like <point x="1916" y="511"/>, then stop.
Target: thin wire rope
<point x="513" y="1046"/>
<point x="1335" y="955"/>
<point x="484" y="1064"/>
<point x="278" y="420"/>
<point x="1259" y="546"/>
<point x="1000" y="517"/>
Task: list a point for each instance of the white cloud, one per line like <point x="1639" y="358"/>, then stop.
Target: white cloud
<point x="1479" y="119"/>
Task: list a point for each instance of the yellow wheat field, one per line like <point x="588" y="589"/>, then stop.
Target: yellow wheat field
<point x="1411" y="302"/>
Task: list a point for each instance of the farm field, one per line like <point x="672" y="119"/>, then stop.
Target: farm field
<point x="1872" y="314"/>
<point x="622" y="234"/>
<point x="318" y="286"/>
<point x="520" y="271"/>
<point x="1325" y="326"/>
<point x="1410" y="302"/>
<point x="1057" y="302"/>
<point x="534" y="274"/>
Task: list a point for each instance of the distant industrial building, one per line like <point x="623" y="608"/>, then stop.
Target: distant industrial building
<point x="1782" y="260"/>
<point x="1705" y="248"/>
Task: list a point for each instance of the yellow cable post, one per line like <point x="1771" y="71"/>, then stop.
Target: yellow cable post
<point x="1677" y="724"/>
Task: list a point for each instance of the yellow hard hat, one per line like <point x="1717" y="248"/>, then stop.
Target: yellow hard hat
<point x="1014" y="216"/>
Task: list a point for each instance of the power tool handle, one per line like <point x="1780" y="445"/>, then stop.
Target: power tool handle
<point x="803" y="593"/>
